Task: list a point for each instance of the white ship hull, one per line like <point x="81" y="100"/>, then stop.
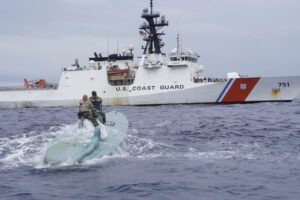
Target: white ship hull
<point x="147" y="91"/>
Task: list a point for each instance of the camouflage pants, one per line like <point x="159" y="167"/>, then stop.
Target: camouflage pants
<point x="87" y="115"/>
<point x="99" y="115"/>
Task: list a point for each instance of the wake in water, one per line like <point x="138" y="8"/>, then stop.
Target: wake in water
<point x="29" y="148"/>
<point x="216" y="152"/>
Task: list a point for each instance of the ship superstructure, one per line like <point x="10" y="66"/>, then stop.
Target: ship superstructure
<point x="155" y="80"/>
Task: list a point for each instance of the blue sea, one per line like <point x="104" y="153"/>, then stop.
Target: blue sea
<point x="210" y="152"/>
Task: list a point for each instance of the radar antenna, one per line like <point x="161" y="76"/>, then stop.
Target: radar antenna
<point x="151" y="27"/>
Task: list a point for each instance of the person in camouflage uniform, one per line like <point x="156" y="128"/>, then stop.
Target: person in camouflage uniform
<point x="85" y="110"/>
<point x="97" y="103"/>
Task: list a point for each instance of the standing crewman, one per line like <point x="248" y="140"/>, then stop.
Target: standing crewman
<point x="85" y="110"/>
<point x="97" y="103"/>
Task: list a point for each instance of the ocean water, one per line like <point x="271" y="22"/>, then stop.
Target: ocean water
<point x="215" y="152"/>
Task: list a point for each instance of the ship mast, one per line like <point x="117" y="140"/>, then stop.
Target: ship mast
<point x="178" y="44"/>
<point x="151" y="30"/>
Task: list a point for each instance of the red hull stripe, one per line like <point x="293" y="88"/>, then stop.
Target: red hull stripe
<point x="240" y="89"/>
<point x="224" y="90"/>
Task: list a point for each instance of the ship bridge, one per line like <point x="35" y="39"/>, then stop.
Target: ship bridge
<point x="187" y="55"/>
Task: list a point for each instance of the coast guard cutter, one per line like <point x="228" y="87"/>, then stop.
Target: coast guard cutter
<point x="156" y="80"/>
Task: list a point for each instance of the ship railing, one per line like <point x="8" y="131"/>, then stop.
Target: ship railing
<point x="20" y="88"/>
<point x="208" y="80"/>
<point x="116" y="82"/>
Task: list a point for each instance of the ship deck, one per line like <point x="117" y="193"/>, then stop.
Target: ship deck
<point x="21" y="88"/>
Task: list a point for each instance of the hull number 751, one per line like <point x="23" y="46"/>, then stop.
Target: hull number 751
<point x="283" y="84"/>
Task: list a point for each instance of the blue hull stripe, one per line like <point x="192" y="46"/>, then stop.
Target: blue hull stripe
<point x="223" y="91"/>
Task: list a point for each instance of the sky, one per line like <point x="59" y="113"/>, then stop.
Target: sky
<point x="252" y="37"/>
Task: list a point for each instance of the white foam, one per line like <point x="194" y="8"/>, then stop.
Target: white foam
<point x="146" y="148"/>
<point x="119" y="153"/>
<point x="103" y="131"/>
<point x="164" y="123"/>
<point x="28" y="149"/>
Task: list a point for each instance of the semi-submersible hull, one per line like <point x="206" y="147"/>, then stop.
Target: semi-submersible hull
<point x="180" y="80"/>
